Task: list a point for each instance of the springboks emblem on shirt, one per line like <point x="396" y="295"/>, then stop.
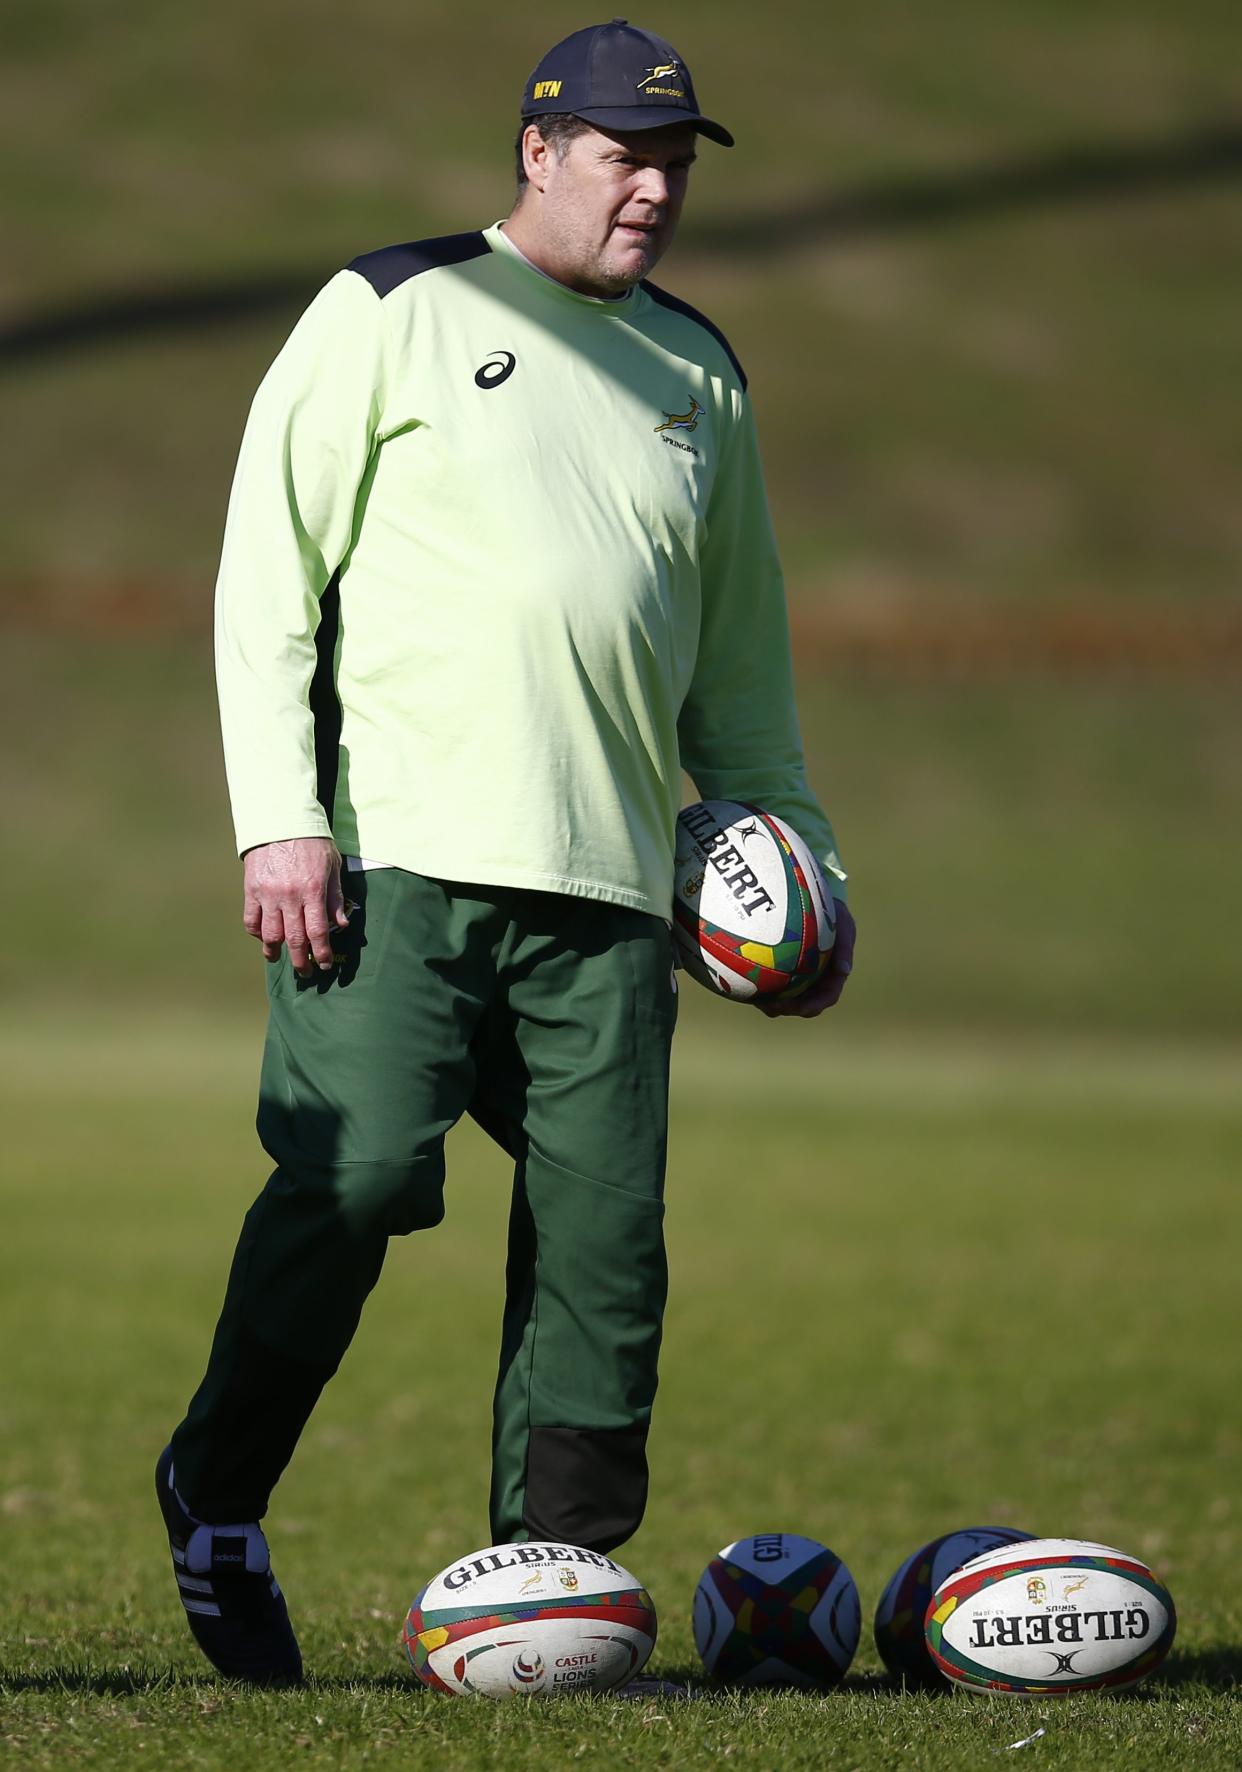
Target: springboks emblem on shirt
<point x="682" y="421"/>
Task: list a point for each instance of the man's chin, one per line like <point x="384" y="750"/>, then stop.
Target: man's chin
<point x="627" y="265"/>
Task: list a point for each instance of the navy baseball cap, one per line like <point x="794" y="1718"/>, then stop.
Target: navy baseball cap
<point x="620" y="78"/>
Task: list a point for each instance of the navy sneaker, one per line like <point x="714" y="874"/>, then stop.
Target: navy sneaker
<point x="224" y="1577"/>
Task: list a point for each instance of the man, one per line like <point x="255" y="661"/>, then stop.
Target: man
<point x="473" y="612"/>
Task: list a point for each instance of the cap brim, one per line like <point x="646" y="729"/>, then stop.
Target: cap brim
<point x="634" y="117"/>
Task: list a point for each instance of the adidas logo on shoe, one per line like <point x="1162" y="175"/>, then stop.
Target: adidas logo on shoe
<point x="234" y="1607"/>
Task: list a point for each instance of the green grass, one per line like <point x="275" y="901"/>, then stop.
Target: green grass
<point x="1028" y="405"/>
<point x="962" y="1253"/>
<point x="935" y="1284"/>
<point x="1030" y="856"/>
<point x="241" y="140"/>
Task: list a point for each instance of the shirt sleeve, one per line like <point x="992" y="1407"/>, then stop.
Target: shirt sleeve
<point x="307" y="442"/>
<point x="738" y="727"/>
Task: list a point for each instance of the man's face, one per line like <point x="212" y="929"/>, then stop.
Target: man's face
<point x="610" y="208"/>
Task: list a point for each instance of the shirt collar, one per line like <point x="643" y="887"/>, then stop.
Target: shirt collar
<point x="599" y="301"/>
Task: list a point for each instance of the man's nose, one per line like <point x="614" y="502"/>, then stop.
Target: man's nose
<point x="653" y="186"/>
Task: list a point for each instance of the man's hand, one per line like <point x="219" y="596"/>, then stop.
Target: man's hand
<point x="293" y="895"/>
<point x="827" y="990"/>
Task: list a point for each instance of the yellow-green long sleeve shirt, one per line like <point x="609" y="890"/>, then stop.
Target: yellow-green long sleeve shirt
<point x="498" y="559"/>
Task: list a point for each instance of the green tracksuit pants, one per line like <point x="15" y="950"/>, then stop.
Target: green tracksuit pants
<point x="550" y="1019"/>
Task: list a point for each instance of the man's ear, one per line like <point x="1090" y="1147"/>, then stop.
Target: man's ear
<point x="536" y="156"/>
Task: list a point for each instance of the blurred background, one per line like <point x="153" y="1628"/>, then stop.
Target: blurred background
<point x="983" y="264"/>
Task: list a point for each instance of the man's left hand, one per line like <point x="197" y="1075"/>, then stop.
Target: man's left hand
<point x="826" y="990"/>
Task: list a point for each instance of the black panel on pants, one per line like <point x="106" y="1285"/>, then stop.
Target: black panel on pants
<point x="586" y="1486"/>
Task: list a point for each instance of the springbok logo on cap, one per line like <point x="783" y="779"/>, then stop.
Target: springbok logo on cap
<point x="665" y="71"/>
<point x="618" y="77"/>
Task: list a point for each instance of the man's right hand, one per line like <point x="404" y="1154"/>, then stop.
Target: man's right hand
<point x="293" y="895"/>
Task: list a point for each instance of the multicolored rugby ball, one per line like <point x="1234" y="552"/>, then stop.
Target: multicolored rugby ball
<point x="1049" y="1616"/>
<point x="542" y="1619"/>
<point x="753" y="915"/>
<point x="903" y="1605"/>
<point x="777" y="1610"/>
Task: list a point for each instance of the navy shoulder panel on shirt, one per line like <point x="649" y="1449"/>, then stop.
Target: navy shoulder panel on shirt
<point x="392" y="266"/>
<point x="683" y="307"/>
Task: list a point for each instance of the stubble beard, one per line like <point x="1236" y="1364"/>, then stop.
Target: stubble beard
<point x="603" y="267"/>
<point x="611" y="273"/>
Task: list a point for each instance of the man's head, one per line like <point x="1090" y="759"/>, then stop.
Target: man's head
<point x="609" y="122"/>
<point x="597" y="208"/>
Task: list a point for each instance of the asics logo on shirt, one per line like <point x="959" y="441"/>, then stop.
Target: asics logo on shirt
<point x="499" y="367"/>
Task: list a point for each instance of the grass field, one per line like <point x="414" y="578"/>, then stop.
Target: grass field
<point x="943" y="1284"/>
<point x="1035" y="399"/>
<point x="1028" y="855"/>
<point x="965" y="1253"/>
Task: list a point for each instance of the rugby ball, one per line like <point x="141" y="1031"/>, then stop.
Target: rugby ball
<point x="903" y="1604"/>
<point x="776" y="1610"/>
<point x="753" y="915"/>
<point x="1048" y="1616"/>
<point x="541" y="1619"/>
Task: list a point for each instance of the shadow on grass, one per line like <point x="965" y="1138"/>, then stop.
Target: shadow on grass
<point x="1218" y="1667"/>
<point x="120" y="1682"/>
<point x="1060" y="175"/>
<point x="126" y="1682"/>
